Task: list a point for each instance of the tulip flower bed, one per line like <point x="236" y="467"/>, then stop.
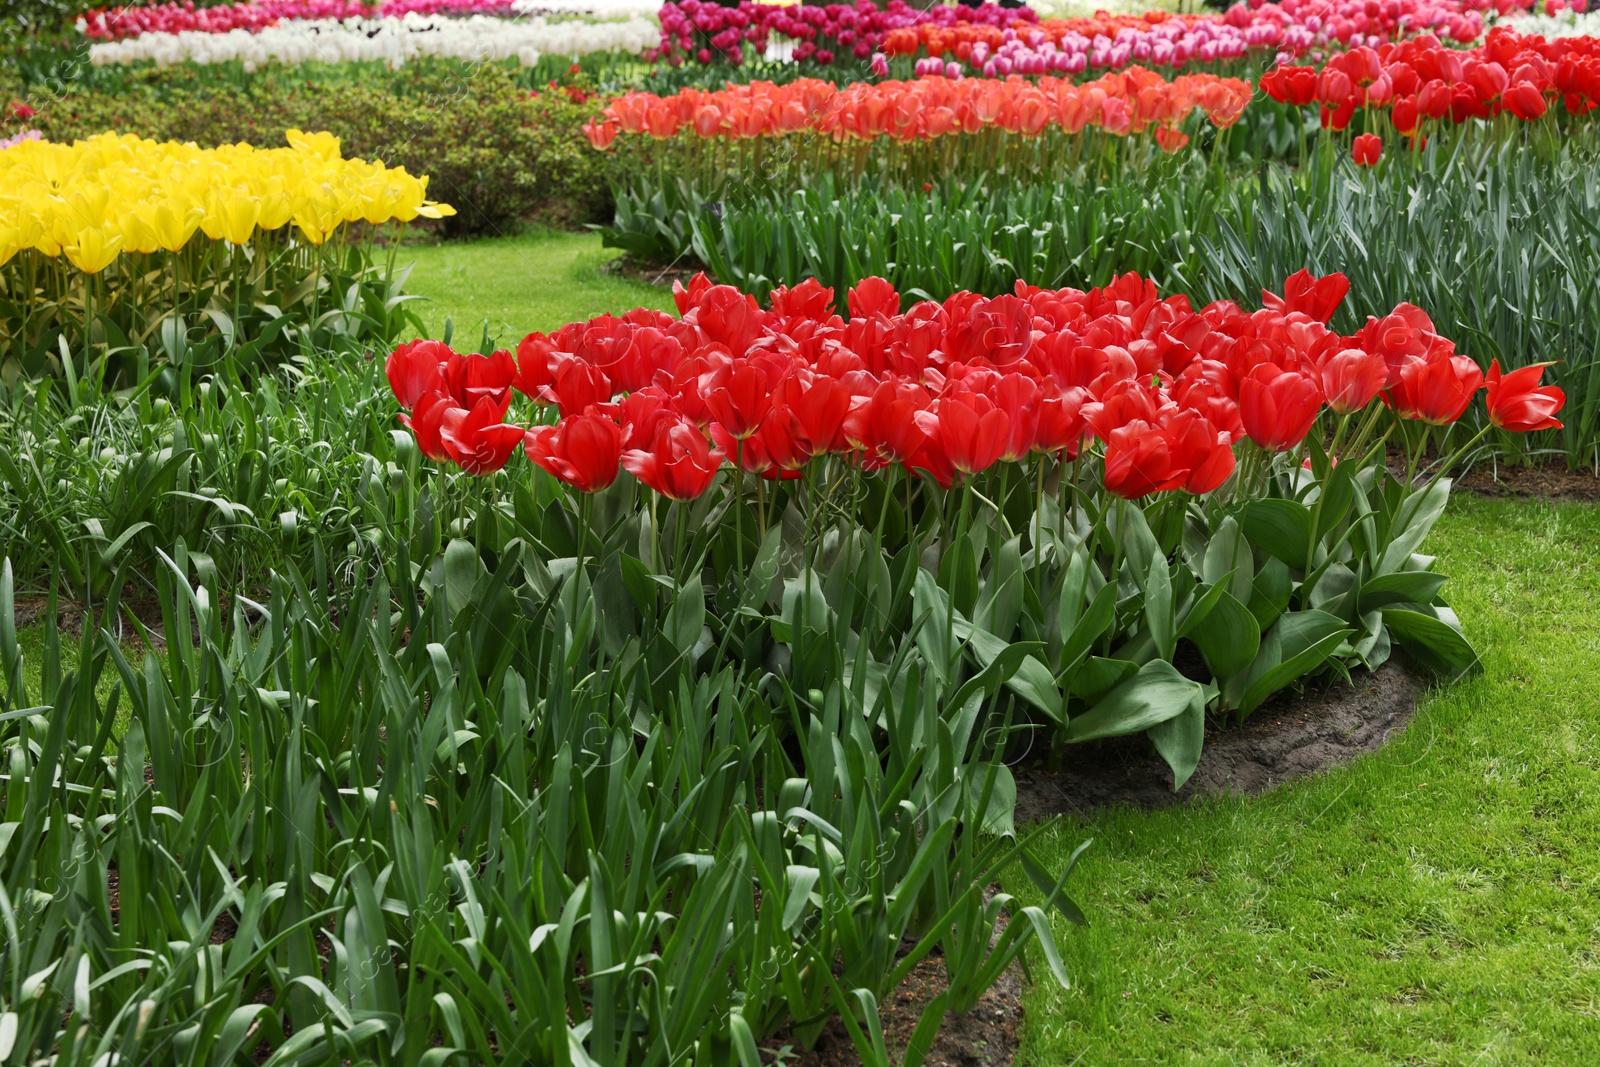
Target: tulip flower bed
<point x="696" y="30"/>
<point x="389" y="39"/>
<point x="1070" y="486"/>
<point x="914" y="132"/>
<point x="98" y="254"/>
<point x="253" y="16"/>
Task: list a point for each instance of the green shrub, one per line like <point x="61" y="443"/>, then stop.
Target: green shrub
<point x="494" y="152"/>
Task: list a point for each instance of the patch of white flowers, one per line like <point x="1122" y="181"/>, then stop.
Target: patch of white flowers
<point x="591" y="8"/>
<point x="388" y="40"/>
<point x="1082" y="9"/>
<point x="1565" y="24"/>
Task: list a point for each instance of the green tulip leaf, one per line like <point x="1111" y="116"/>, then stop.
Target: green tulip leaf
<point x="1432" y="641"/>
<point x="1154" y="694"/>
<point x="1180" y="739"/>
<point x="1230" y="638"/>
<point x="1282" y="528"/>
<point x="1401" y="587"/>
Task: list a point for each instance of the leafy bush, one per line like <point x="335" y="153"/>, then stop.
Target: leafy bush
<point x="494" y="152"/>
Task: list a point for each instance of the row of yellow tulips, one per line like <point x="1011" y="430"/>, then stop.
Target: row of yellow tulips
<point x="92" y="200"/>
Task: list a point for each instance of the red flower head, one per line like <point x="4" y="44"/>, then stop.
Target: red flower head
<point x="1020" y="398"/>
<point x="1351" y="378"/>
<point x="477" y="440"/>
<point x="728" y="317"/>
<point x="1139" y="461"/>
<point x="415" y="370"/>
<point x="873" y="296"/>
<point x="1403" y="335"/>
<point x="1205" y="450"/>
<point x="679" y="463"/>
<point x="738" y="395"/>
<point x="699" y="285"/>
<point x="1518" y="403"/>
<point x="812" y="411"/>
<point x="1435" y="390"/>
<point x="967" y="428"/>
<point x="809" y="300"/>
<point x="642" y="412"/>
<point x="424" y="422"/>
<point x="1061" y="426"/>
<point x="578" y="386"/>
<point x="1278" y="407"/>
<point x="1406" y="115"/>
<point x="1366" y="149"/>
<point x="885" y="427"/>
<point x="1317" y="297"/>
<point x="1525" y="101"/>
<point x="536" y="367"/>
<point x="470" y="378"/>
<point x="582" y="450"/>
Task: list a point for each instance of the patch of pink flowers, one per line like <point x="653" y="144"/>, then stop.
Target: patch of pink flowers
<point x="708" y="30"/>
<point x="25" y="135"/>
<point x="116" y="23"/>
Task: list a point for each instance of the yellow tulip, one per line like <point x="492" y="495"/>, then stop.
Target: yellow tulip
<point x="94" y="251"/>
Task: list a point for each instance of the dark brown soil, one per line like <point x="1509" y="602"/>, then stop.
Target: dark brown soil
<point x="69" y="618"/>
<point x="984" y="1037"/>
<point x="1287" y="738"/>
<point x="1538" y="483"/>
<point x="652" y="273"/>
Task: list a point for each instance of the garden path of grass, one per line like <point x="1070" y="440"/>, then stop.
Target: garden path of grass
<point x="533" y="281"/>
<point x="1437" y="902"/>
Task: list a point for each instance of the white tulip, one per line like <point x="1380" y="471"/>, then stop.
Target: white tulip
<point x="389" y="40"/>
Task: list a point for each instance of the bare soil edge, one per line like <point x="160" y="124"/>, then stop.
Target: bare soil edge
<point x="987" y="1036"/>
<point x="1287" y="739"/>
<point x="1531" y="483"/>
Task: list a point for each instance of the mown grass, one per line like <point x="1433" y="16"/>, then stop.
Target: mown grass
<point x="534" y="281"/>
<point x="1437" y="902"/>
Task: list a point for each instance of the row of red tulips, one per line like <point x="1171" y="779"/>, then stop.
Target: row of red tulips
<point x="1129" y="101"/>
<point x="1421" y="79"/>
<point x="947" y="389"/>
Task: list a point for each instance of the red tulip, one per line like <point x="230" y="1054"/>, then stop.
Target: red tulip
<point x="967" y="428"/>
<point x="642" y="412"/>
<point x="738" y="396"/>
<point x="1351" y="378"/>
<point x="470" y="378"/>
<point x="426" y="416"/>
<point x="582" y="451"/>
<point x="1317" y="297"/>
<point x="885" y="426"/>
<point x="1019" y="397"/>
<point x="1139" y="461"/>
<point x="813" y="412"/>
<point x="414" y="370"/>
<point x="1206" y="451"/>
<point x="1366" y="149"/>
<point x="809" y="300"/>
<point x="678" y="464"/>
<point x="872" y="296"/>
<point x="578" y="386"/>
<point x="1435" y="390"/>
<point x="1518" y="403"/>
<point x="1278" y="407"/>
<point x="1061" y="427"/>
<point x="1525" y="101"/>
<point x="477" y="440"/>
<point x="728" y="317"/>
<point x="1406" y="115"/>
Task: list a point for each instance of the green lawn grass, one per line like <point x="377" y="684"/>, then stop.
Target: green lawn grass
<point x="534" y="281"/>
<point x="1437" y="902"/>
